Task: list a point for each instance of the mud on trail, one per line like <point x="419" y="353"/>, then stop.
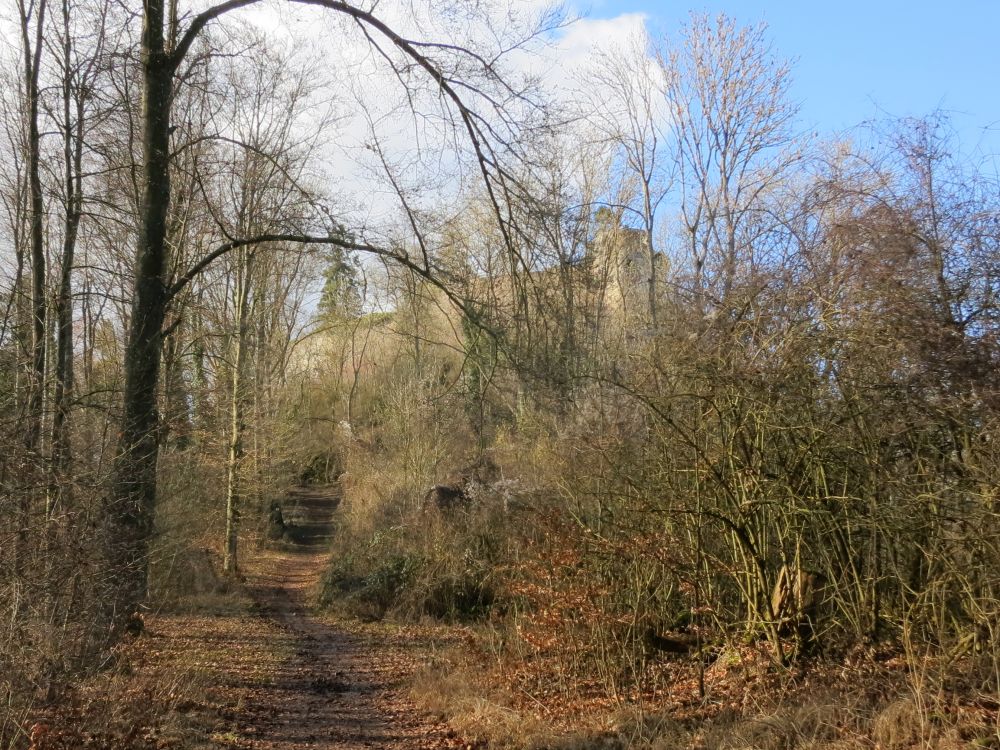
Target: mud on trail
<point x="286" y="676"/>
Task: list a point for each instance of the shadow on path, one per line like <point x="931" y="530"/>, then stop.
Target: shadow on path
<point x="331" y="688"/>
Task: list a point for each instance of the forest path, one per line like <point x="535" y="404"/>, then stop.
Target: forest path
<point x="317" y="683"/>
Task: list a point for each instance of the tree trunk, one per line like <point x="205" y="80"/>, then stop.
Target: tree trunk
<point x="64" y="375"/>
<point x="130" y="504"/>
<point x="234" y="490"/>
<point x="35" y="381"/>
<point x="36" y="377"/>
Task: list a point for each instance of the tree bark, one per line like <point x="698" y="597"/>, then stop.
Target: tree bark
<point x="35" y="380"/>
<point x="234" y="490"/>
<point x="130" y="504"/>
<point x="36" y="377"/>
<point x="72" y="175"/>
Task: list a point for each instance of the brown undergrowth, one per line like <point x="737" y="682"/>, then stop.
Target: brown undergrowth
<point x="251" y="664"/>
<point x="867" y="700"/>
<point x="566" y="654"/>
<point x="154" y="691"/>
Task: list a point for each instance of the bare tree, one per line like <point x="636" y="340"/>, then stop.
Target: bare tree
<point x="464" y="78"/>
<point x="79" y="72"/>
<point x="32" y="26"/>
<point x="730" y="110"/>
<point x="630" y="113"/>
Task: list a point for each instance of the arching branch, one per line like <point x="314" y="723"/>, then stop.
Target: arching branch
<point x="395" y="256"/>
<point x="176" y="57"/>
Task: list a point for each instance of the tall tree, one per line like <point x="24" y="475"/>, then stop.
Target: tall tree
<point x="631" y="115"/>
<point x="78" y="74"/>
<point x="729" y="107"/>
<point x="477" y="103"/>
<point x="32" y="24"/>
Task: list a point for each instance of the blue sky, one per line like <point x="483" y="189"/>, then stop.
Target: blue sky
<point x="857" y="60"/>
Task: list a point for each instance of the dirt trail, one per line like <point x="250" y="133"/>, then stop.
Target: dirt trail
<point x="331" y="688"/>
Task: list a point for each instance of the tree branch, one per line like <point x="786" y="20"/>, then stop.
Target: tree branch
<point x="468" y="117"/>
<point x="199" y="23"/>
<point x="305" y="239"/>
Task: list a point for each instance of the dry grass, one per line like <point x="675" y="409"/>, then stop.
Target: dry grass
<point x="830" y="708"/>
<point x="142" y="702"/>
<point x="144" y="694"/>
<point x="477" y="712"/>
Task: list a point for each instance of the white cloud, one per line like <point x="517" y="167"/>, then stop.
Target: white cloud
<point x="377" y="110"/>
<point x="586" y="36"/>
<point x="575" y="48"/>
